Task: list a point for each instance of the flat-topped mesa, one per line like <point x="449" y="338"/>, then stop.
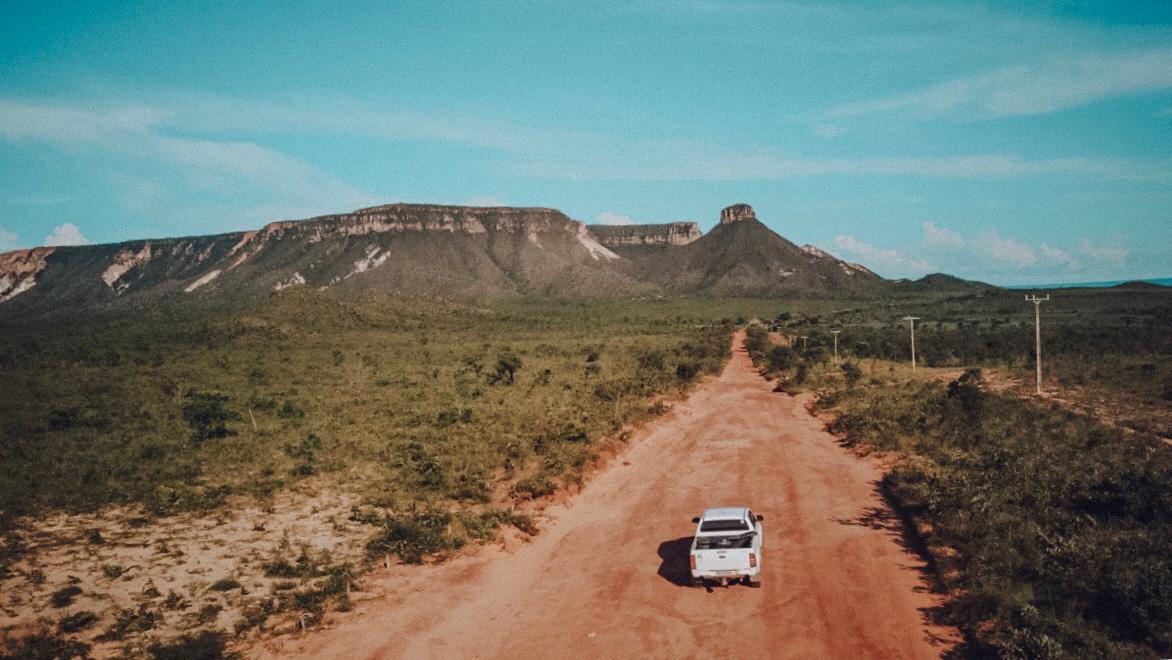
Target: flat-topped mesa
<point x="432" y="217"/>
<point x="737" y="213"/>
<point x="671" y="233"/>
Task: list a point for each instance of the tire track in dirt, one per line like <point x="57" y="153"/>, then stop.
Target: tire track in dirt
<point x="608" y="574"/>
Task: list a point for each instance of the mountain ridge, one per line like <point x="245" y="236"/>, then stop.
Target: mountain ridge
<point x="433" y="249"/>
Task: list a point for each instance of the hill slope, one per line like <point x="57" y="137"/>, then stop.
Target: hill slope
<point x="743" y="256"/>
<point x="451" y="251"/>
<point x="444" y="250"/>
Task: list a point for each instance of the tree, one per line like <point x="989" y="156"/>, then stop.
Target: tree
<point x="852" y="373"/>
<point x="206" y="415"/>
<point x="507" y="366"/>
<point x="781" y="358"/>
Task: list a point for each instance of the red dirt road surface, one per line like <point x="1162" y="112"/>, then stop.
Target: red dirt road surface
<point x="607" y="576"/>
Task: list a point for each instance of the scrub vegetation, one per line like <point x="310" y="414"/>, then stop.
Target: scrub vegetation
<point x="1050" y="529"/>
<point x="1048" y="526"/>
<point x="408" y="401"/>
<point x="438" y="423"/>
<point x="407" y="428"/>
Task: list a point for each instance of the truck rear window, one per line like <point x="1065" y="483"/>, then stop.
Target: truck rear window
<point x="724" y="542"/>
<point x="724" y="526"/>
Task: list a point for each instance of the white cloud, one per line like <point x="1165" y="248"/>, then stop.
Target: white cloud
<point x="7" y="240"/>
<point x="986" y="255"/>
<point x="66" y="234"/>
<point x="204" y="163"/>
<point x="608" y="218"/>
<point x="1053" y="84"/>
<point x="1113" y="255"/>
<point x="1055" y="255"/>
<point x="879" y="259"/>
<point x="944" y="238"/>
<point x="1006" y="251"/>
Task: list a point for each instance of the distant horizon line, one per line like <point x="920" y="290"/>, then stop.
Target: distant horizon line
<point x="1160" y="281"/>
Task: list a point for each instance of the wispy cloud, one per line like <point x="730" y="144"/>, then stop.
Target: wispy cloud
<point x="985" y="253"/>
<point x="8" y="240"/>
<point x="608" y="218"/>
<point x="1049" y="85"/>
<point x="880" y="259"/>
<point x="657" y="163"/>
<point x="66" y="234"/>
<point x="135" y="132"/>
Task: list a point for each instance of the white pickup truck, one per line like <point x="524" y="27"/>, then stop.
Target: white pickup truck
<point x="727" y="546"/>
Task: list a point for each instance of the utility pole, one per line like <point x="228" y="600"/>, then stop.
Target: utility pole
<point x="803" y="338"/>
<point x="835" y="333"/>
<point x="1038" y="336"/>
<point x="912" y="320"/>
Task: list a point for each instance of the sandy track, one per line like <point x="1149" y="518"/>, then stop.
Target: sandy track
<point x="606" y="577"/>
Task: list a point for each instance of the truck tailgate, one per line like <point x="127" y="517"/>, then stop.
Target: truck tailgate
<point x="721" y="560"/>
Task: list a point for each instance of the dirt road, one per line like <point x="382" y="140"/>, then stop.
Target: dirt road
<point x="606" y="576"/>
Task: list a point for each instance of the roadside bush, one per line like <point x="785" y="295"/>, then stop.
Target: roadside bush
<point x="851" y="373"/>
<point x="412" y="536"/>
<point x="44" y="646"/>
<point x="204" y="645"/>
<point x="77" y="621"/>
<point x="1059" y="525"/>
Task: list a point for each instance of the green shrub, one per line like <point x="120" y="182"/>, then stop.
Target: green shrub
<point x="1060" y="525"/>
<point x="851" y="373"/>
<point x="64" y="597"/>
<point x="77" y="621"/>
<point x="289" y="410"/>
<point x="224" y="584"/>
<point x="203" y="645"/>
<point x="412" y="536"/>
<point x="505" y="371"/>
<point x="206" y="415"/>
<point x="533" y="487"/>
<point x="44" y="646"/>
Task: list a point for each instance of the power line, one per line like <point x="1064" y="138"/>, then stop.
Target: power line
<point x="912" y="320"/>
<point x="1038" y="336"/>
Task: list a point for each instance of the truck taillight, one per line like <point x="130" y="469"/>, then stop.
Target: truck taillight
<point x="752" y="560"/>
<point x="692" y="561"/>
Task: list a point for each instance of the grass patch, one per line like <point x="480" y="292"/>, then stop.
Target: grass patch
<point x="1057" y="526"/>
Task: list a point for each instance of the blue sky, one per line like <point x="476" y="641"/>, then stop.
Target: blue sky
<point x="1010" y="142"/>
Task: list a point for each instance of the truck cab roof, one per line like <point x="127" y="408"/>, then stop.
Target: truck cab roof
<point x="725" y="513"/>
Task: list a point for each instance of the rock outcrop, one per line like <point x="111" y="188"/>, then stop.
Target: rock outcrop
<point x="737" y="213"/>
<point x="672" y="233"/>
<point x="19" y="269"/>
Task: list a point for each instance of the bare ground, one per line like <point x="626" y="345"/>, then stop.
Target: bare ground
<point x="147" y="581"/>
<point x="608" y="574"/>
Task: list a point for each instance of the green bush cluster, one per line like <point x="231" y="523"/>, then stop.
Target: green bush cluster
<point x="1060" y="526"/>
<point x="395" y="396"/>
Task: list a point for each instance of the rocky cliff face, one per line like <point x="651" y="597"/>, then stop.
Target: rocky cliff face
<point x="741" y="256"/>
<point x="618" y="236"/>
<point x="420" y="248"/>
<point x="737" y="213"/>
<point x="19" y="270"/>
<point x="453" y="251"/>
